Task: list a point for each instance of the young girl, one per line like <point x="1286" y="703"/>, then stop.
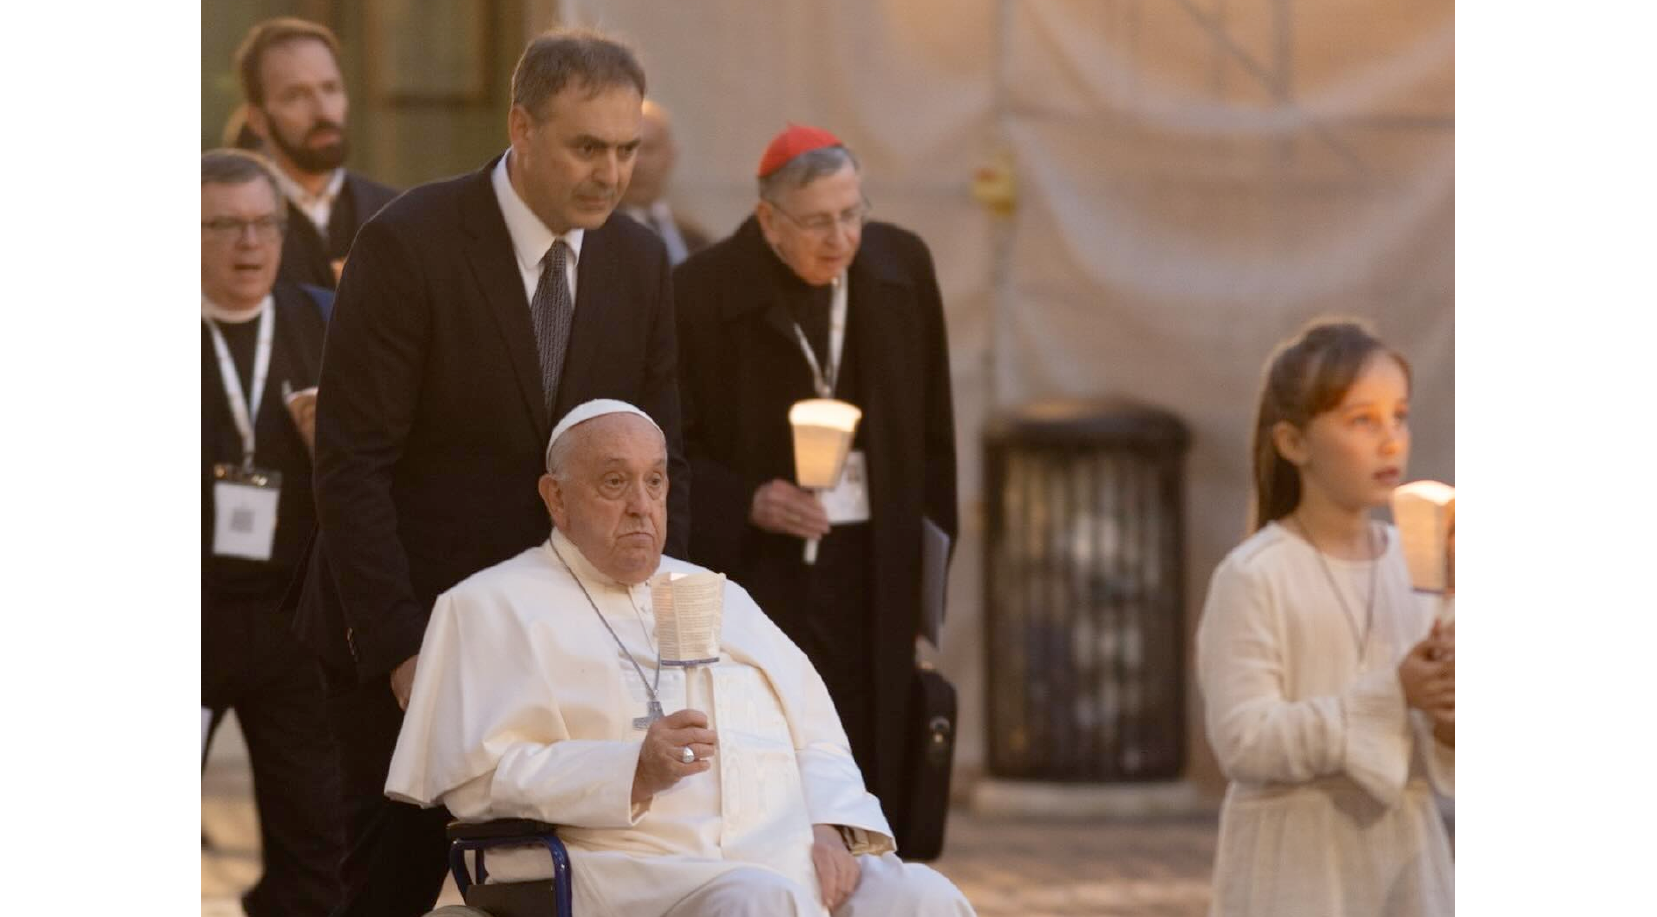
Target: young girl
<point x="1330" y="691"/>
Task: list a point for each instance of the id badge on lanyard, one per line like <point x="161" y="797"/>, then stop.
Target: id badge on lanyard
<point x="245" y="497"/>
<point x="244" y="510"/>
<point x="848" y="501"/>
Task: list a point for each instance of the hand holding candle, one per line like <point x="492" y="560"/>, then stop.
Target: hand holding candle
<point x="781" y="508"/>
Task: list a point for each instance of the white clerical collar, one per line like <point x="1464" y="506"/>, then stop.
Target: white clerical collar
<point x="218" y="313"/>
<point x="530" y="237"/>
<point x="584" y="569"/>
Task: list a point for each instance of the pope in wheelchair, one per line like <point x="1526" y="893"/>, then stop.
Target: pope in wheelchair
<point x="721" y="788"/>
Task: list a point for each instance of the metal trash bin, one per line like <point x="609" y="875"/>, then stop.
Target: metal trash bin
<point x="1084" y="585"/>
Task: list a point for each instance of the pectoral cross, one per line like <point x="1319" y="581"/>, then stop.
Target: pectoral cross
<point x="652" y="714"/>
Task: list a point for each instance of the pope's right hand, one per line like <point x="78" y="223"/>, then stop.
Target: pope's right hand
<point x="662" y="756"/>
<point x="781" y="508"/>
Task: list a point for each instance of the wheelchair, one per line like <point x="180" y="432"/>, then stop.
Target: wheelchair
<point x="538" y="898"/>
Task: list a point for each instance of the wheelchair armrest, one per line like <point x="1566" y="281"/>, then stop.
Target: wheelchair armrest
<point x="479" y="837"/>
<point x="500" y="828"/>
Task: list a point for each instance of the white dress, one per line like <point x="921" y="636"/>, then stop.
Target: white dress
<point x="1329" y="812"/>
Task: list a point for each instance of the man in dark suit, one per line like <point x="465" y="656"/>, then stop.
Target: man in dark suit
<point x="646" y="198"/>
<point x="296" y="106"/>
<point x="472" y="315"/>
<point x="808" y="300"/>
<point x="259" y="341"/>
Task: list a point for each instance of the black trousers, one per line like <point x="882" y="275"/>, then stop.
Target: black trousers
<point x="396" y="855"/>
<point x="252" y="665"/>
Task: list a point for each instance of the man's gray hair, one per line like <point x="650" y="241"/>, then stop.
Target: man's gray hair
<point x="558" y="456"/>
<point x="806" y="168"/>
<point x="238" y="167"/>
<point x="581" y="57"/>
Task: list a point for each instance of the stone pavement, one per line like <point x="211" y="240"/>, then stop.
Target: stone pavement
<point x="1008" y="867"/>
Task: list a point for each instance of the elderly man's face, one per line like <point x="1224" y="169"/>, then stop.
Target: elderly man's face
<point x="816" y="229"/>
<point x="612" y="499"/>
<point x="572" y="165"/>
<point x="241" y="242"/>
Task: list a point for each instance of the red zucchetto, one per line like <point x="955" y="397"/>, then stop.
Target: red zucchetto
<point x="791" y="142"/>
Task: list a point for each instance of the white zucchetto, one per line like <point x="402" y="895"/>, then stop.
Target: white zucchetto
<point x="587" y="410"/>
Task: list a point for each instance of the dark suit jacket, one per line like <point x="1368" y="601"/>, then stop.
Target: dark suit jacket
<point x="431" y="424"/>
<point x="296" y="357"/>
<point x="741" y="368"/>
<point x="306" y="256"/>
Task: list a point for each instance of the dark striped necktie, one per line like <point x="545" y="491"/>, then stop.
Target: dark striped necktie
<point x="553" y="312"/>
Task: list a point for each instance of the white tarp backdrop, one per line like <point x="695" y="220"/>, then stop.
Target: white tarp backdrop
<point x="1196" y="178"/>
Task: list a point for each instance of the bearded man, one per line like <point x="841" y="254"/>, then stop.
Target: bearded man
<point x="296" y="106"/>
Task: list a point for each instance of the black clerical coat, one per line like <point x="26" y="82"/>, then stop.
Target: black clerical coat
<point x="307" y="257"/>
<point x="741" y="367"/>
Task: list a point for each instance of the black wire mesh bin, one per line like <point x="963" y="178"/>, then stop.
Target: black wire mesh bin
<point x="1084" y="578"/>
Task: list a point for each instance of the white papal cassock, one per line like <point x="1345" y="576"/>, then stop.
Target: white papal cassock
<point x="524" y="707"/>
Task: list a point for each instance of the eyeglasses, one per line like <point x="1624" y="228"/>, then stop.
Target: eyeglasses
<point x="229" y="229"/>
<point x="822" y="224"/>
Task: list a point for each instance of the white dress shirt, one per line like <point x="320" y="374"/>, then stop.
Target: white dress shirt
<point x="531" y="239"/>
<point x="319" y="207"/>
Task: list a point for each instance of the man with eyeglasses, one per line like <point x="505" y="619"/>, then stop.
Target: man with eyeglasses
<point x="261" y="339"/>
<point x="808" y="299"/>
<point x="296" y="106"/>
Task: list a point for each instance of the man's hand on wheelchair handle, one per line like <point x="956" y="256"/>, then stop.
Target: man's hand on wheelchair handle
<point x="837" y="870"/>
<point x="661" y="757"/>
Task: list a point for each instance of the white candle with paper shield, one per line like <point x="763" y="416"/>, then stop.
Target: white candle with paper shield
<point x="690" y="612"/>
<point x="823" y="430"/>
<point x="1425" y="512"/>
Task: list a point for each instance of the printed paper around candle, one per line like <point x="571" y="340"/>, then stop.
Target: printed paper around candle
<point x="689" y="609"/>
<point x="1423" y="512"/>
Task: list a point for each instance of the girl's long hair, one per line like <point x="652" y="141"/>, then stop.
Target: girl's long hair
<point x="1305" y="376"/>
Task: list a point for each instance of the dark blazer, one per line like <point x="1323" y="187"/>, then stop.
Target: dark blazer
<point x="306" y="256"/>
<point x="431" y="424"/>
<point x="296" y="358"/>
<point x="740" y="369"/>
